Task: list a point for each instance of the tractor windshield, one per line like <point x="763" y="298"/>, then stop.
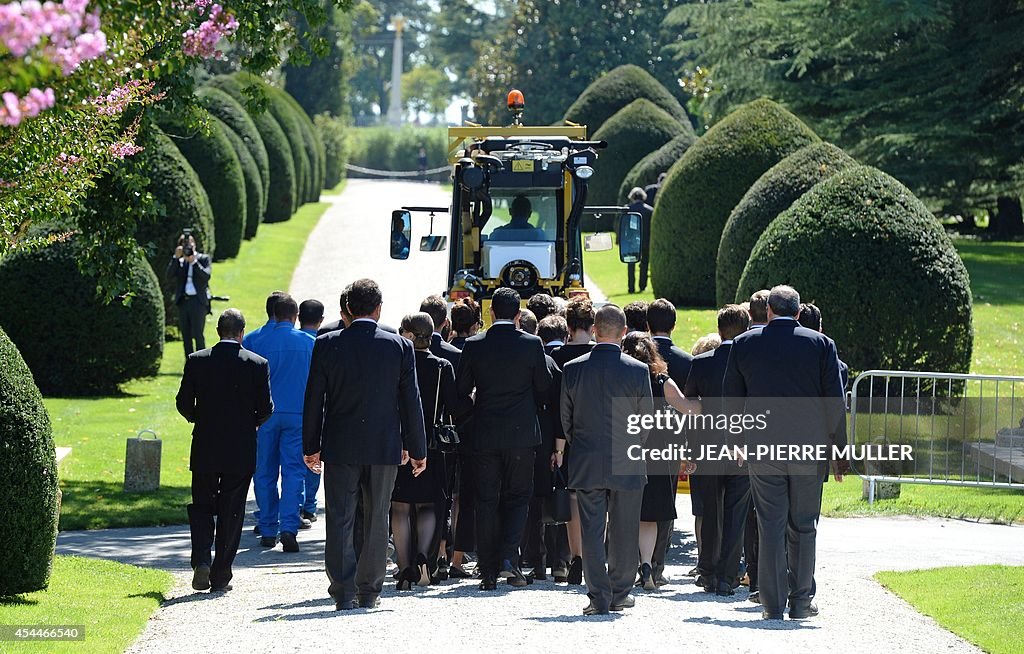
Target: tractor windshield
<point x="522" y="215"/>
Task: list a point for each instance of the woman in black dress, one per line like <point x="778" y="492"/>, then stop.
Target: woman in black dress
<point x="659" y="501"/>
<point x="422" y="496"/>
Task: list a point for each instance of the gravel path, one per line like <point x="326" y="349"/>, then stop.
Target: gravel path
<point x="280" y="601"/>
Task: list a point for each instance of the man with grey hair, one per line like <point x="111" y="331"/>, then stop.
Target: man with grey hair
<point x="638" y="204"/>
<point x="607" y="494"/>
<point x="789" y="367"/>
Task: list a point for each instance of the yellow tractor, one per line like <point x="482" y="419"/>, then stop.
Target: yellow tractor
<point x="518" y="193"/>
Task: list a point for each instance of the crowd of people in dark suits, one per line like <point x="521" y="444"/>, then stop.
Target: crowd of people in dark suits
<point x="442" y="441"/>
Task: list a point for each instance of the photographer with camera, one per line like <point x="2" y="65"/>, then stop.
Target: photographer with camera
<point x="189" y="270"/>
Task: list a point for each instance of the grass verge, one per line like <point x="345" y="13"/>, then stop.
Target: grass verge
<point x="96" y="428"/>
<point x="986" y="608"/>
<point x="111" y="600"/>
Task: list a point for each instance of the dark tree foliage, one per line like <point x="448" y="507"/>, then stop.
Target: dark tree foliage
<point x="892" y="289"/>
<point x="617" y="88"/>
<point x="927" y="90"/>
<point x="703" y="187"/>
<point x="28" y="466"/>
<point x="319" y="82"/>
<point x="770" y="195"/>
<point x="646" y="170"/>
<point x="112" y="343"/>
<point x="553" y="50"/>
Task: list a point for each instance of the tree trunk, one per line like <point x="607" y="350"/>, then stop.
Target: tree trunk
<point x="1007" y="220"/>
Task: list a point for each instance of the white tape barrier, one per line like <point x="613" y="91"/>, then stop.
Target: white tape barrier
<point x="397" y="173"/>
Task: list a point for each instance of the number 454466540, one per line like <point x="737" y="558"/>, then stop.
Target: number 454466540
<point x="42" y="632"/>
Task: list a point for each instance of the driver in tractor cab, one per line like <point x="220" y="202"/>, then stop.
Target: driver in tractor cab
<point x="399" y="241"/>
<point x="519" y="227"/>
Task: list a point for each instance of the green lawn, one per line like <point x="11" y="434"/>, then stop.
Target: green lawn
<point x="983" y="604"/>
<point x="997" y="281"/>
<point x="111" y="600"/>
<point x="96" y="428"/>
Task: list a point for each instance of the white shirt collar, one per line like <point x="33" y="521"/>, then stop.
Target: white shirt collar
<point x="728" y="342"/>
<point x="555" y="343"/>
<point x="228" y="340"/>
<point x="783" y="318"/>
<point x="364" y="320"/>
<point x="435" y="334"/>
<point x="503" y="322"/>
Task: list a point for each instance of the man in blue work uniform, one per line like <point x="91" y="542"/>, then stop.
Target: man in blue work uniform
<point x="254" y="336"/>
<point x="311" y="316"/>
<point x="279" y="440"/>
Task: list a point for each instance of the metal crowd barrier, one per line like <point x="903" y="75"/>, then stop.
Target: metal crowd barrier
<point x="963" y="430"/>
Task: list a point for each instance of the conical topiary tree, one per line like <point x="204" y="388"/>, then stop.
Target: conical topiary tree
<point x="28" y="467"/>
<point x="611" y="92"/>
<point x="632" y="133"/>
<point x="892" y="289"/>
<point x="314" y="146"/>
<point x="646" y="170"/>
<point x="255" y="201"/>
<point x="770" y="195"/>
<point x="223" y="106"/>
<point x="703" y="187"/>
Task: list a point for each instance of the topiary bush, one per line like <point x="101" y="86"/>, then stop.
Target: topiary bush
<point x="892" y="289"/>
<point x="770" y="195"/>
<point x="227" y="109"/>
<point x="335" y="138"/>
<point x="28" y="466"/>
<point x="639" y="129"/>
<point x="282" y="198"/>
<point x="255" y="202"/>
<point x="314" y="145"/>
<point x="110" y="344"/>
<point x="616" y="89"/>
<point x="291" y="126"/>
<point x="213" y="158"/>
<point x="646" y="170"/>
<point x="703" y="187"/>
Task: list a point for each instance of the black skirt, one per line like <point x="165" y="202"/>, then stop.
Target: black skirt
<point x="428" y="488"/>
<point x="659" y="501"/>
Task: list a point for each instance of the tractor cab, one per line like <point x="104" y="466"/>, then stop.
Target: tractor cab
<point x="514" y="220"/>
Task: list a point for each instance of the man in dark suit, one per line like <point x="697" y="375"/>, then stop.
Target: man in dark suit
<point x="189" y="270"/>
<point x="661" y="321"/>
<point x="362" y="418"/>
<point x="346" y="318"/>
<point x="225" y="392"/>
<point x="436" y="307"/>
<point x="725" y="486"/>
<point x="609" y="485"/>
<point x="638" y="203"/>
<point x="810" y="317"/>
<point x="508" y="369"/>
<point x="788" y="367"/>
<point x="757" y="307"/>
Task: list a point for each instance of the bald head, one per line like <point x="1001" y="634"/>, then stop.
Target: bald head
<point x="609" y="324"/>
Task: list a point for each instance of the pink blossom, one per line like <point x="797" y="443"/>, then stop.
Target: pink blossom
<point x="202" y="41"/>
<point x="16" y="109"/>
<point x="63" y="32"/>
<point x="118" y="99"/>
<point x="67" y="161"/>
<point x="124" y="149"/>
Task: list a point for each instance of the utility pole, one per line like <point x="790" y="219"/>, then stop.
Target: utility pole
<point x="395" y="106"/>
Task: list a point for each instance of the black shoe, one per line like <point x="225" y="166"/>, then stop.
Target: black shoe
<point x="755" y="596"/>
<point x="489" y="582"/>
<point x="220" y="589"/>
<point x="706" y="582"/>
<point x="268" y="541"/>
<point x="456" y="572"/>
<point x="422" y="574"/>
<point x="575" y="574"/>
<point x="201" y="578"/>
<point x="647" y="577"/>
<point x="539" y="574"/>
<point x="724" y="589"/>
<point x="256" y="531"/>
<point x="369" y="602"/>
<point x="627" y="603"/>
<point x="660" y="581"/>
<point x="347" y="605"/>
<point x="590" y="609"/>
<point x="809" y="610"/>
<point x="694" y="572"/>
<point x="442" y="569"/>
<point x="288" y="542"/>
<point x="514" y="576"/>
<point x="561" y="573"/>
<point x="766" y="615"/>
<point x="406" y="579"/>
<point x="306" y="515"/>
<point x="305" y="524"/>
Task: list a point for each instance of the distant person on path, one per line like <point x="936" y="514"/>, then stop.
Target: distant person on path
<point x="190" y="270"/>
<point x="589" y="384"/>
<point x="638" y="204"/>
<point x="288" y="350"/>
<point x="311" y="316"/>
<point x="421" y="162"/>
<point x="362" y="419"/>
<point x="225" y="392"/>
<point x="652" y="189"/>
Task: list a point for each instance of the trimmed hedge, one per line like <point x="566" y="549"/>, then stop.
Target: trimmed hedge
<point x="291" y="126"/>
<point x="109" y="344"/>
<point x="633" y="133"/>
<point x="701" y="190"/>
<point x="335" y="139"/>
<point x="314" y="145"/>
<point x="770" y="195"/>
<point x="616" y="89"/>
<point x="282" y="198"/>
<point x="255" y="202"/>
<point x="892" y="289"/>
<point x="223" y="106"/>
<point x="28" y="466"/>
<point x="387" y="148"/>
<point x="646" y="170"/>
<point x="181" y="196"/>
<point x="214" y="160"/>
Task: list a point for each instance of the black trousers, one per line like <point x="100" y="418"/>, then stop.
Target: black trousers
<point x="192" y="321"/>
<point x="788" y="503"/>
<point x="631" y="274"/>
<point x="352" y="576"/>
<point x="503" y="490"/>
<point x="726" y="506"/>
<point x="610" y="575"/>
<point x="223" y="496"/>
<point x="465" y="527"/>
<point x="751" y="545"/>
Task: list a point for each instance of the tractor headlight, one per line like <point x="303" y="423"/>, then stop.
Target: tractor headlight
<point x="584" y="172"/>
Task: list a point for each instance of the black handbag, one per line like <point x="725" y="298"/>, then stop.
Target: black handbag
<point x="443" y="437"/>
<point x="556" y="509"/>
